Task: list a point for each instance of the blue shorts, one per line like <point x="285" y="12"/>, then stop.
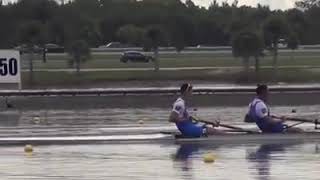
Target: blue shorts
<point x="275" y="128"/>
<point x="190" y="130"/>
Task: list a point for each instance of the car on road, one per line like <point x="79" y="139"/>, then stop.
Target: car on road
<point x="135" y="56"/>
<point x="54" y="48"/>
<point x="23" y="48"/>
<point x="115" y="45"/>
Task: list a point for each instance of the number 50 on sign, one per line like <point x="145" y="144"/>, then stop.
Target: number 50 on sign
<point x="9" y="67"/>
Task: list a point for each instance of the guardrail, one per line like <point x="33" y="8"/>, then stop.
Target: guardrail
<point x="151" y="91"/>
<point x="202" y="48"/>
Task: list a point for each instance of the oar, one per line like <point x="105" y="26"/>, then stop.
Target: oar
<point x="294" y="125"/>
<point x="297" y="119"/>
<point x="290" y="119"/>
<point x="315" y="122"/>
<point x="176" y="133"/>
<point x="225" y="126"/>
<point x="247" y="118"/>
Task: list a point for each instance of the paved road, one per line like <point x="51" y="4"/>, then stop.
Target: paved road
<point x="166" y="69"/>
<point x="198" y="52"/>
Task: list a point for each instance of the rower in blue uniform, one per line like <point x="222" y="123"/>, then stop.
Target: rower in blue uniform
<point x="259" y="112"/>
<point x="184" y="122"/>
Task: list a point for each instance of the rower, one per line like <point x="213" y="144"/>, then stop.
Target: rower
<point x="259" y="113"/>
<point x="180" y="116"/>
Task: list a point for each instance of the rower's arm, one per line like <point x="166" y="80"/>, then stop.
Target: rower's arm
<point x="262" y="111"/>
<point x="272" y="120"/>
<point x="177" y="112"/>
<point x="174" y="117"/>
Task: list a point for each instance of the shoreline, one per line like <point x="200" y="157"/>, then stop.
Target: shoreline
<point x="165" y="84"/>
<point x="85" y="102"/>
<point x="57" y="80"/>
<point x="136" y="84"/>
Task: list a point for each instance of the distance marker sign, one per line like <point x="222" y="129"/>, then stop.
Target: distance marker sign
<point x="10" y="67"/>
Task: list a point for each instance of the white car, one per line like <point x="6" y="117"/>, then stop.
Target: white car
<point x="114" y="45"/>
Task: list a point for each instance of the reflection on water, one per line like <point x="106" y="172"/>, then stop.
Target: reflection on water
<point x="118" y="121"/>
<point x="183" y="158"/>
<point x="262" y="157"/>
<point x="267" y="158"/>
<point x="166" y="162"/>
<point x="125" y="116"/>
<point x="9" y="119"/>
<point x="185" y="151"/>
<point x="105" y="120"/>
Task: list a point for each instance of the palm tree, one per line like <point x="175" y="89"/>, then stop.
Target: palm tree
<point x="30" y="35"/>
<point x="246" y="45"/>
<point x="153" y="34"/>
<point x="275" y="28"/>
<point x="293" y="43"/>
<point x="79" y="52"/>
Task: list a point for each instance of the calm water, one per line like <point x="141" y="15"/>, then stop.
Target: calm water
<point x="147" y="161"/>
<point x="252" y="161"/>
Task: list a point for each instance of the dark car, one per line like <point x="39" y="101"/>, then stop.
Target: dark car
<point x="23" y="48"/>
<point x="54" y="48"/>
<point x="134" y="56"/>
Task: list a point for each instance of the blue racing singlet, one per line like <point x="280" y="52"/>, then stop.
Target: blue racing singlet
<point x="187" y="128"/>
<point x="263" y="125"/>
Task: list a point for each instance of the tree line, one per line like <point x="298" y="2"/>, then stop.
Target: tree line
<point x="80" y="24"/>
<point x="180" y="24"/>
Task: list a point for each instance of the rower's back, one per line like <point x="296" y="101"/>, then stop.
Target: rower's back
<point x="260" y="112"/>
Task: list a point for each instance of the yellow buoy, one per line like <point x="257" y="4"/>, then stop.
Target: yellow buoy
<point x="28" y="148"/>
<point x="37" y="120"/>
<point x="208" y="158"/>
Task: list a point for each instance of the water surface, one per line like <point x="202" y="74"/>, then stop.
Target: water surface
<point x="147" y="161"/>
<point x="156" y="161"/>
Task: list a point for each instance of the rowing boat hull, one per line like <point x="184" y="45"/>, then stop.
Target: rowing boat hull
<point x="253" y="138"/>
<point x="234" y="138"/>
<point x="103" y="139"/>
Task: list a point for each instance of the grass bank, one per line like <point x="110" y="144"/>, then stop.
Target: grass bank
<point x="178" y="60"/>
<point x="90" y="79"/>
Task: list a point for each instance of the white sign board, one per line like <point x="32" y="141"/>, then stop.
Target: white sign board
<point x="10" y="67"/>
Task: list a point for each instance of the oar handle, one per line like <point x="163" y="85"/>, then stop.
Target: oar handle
<point x="215" y="124"/>
<point x="230" y="127"/>
<point x="224" y="125"/>
<point x="237" y="128"/>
